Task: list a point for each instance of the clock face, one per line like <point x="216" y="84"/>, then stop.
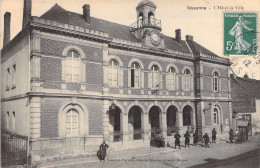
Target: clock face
<point x="155" y="37"/>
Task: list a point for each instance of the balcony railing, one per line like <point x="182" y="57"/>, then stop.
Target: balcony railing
<point x="146" y="22"/>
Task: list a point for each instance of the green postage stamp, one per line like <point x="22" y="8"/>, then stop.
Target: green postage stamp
<point x="240" y="34"/>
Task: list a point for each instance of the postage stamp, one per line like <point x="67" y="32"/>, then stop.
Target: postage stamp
<point x="240" y="33"/>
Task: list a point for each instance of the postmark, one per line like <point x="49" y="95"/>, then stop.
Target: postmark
<point x="240" y="34"/>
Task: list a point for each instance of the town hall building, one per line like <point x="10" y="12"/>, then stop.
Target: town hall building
<point x="72" y="80"/>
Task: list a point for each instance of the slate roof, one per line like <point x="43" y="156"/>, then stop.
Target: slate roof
<point x="244" y="91"/>
<point x="117" y="31"/>
<point x="197" y="48"/>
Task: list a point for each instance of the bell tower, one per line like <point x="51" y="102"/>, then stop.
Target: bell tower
<point x="147" y="28"/>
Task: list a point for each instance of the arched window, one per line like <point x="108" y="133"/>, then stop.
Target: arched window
<point x="72" y="122"/>
<point x="72" y="71"/>
<point x="135" y="75"/>
<point x="155" y="76"/>
<point x="171" y="78"/>
<point x="215" y="116"/>
<point x="215" y="82"/>
<point x="140" y="20"/>
<point x="113" y="73"/>
<point x="151" y="18"/>
<point x="186" y="84"/>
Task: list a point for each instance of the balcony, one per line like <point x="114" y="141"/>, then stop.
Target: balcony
<point x="146" y="23"/>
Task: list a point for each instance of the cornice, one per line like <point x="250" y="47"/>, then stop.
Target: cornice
<point x="77" y="31"/>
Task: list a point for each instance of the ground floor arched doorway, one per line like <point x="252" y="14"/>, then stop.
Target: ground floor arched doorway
<point x="135" y="123"/>
<point x="187" y="116"/>
<point x="154" y="120"/>
<point x="171" y="120"/>
<point x="115" y="126"/>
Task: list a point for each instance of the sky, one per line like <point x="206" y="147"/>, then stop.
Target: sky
<point x="206" y="26"/>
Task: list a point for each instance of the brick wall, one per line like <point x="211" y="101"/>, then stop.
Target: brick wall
<point x="50" y="111"/>
<point x="95" y="111"/>
<point x="207" y="89"/>
<point x="51" y="68"/>
<point x="49" y="117"/>
<point x="54" y="47"/>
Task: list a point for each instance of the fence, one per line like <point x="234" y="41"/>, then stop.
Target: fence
<point x="13" y="149"/>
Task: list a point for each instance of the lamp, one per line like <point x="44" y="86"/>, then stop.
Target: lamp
<point x="210" y="104"/>
<point x="113" y="105"/>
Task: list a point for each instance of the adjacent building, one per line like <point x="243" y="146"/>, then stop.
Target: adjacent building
<point x="72" y="80"/>
<point x="245" y="95"/>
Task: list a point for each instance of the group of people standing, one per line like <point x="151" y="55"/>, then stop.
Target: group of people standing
<point x="187" y="136"/>
<point x="238" y="136"/>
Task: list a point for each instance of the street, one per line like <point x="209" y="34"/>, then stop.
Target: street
<point x="221" y="154"/>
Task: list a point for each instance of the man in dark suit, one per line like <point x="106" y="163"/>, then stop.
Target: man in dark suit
<point x="187" y="138"/>
<point x="101" y="154"/>
<point x="177" y="137"/>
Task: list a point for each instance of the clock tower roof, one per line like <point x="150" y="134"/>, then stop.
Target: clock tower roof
<point x="146" y="3"/>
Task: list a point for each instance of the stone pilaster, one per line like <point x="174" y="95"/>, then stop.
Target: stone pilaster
<point x="179" y="121"/>
<point x="230" y="121"/>
<point x="146" y="127"/>
<point x="124" y="126"/>
<point x="35" y="117"/>
<point x="106" y="119"/>
<point x="194" y="121"/>
<point x="164" y="125"/>
<point x="200" y="119"/>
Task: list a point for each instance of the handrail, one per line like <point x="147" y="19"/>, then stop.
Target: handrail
<point x="146" y="22"/>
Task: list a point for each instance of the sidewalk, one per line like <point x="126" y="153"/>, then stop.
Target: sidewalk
<point x="192" y="156"/>
<point x="186" y="157"/>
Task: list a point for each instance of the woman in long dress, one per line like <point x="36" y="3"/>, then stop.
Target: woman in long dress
<point x="237" y="31"/>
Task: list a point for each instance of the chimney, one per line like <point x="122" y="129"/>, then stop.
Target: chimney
<point x="86" y="13"/>
<point x="178" y="35"/>
<point x="189" y="38"/>
<point x="27" y="10"/>
<point x="7" y="20"/>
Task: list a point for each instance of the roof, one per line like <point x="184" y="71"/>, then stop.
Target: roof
<point x="244" y="91"/>
<point x="197" y="48"/>
<point x="115" y="30"/>
<point x="146" y="2"/>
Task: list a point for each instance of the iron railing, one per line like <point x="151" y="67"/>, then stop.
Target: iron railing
<point x="146" y="22"/>
<point x="13" y="149"/>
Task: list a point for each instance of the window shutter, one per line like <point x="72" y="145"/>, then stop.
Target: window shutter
<point x="212" y="84"/>
<point x="149" y="79"/>
<point x="82" y="71"/>
<point x="160" y="82"/>
<point x="120" y="73"/>
<point x="183" y="80"/>
<point x="176" y="82"/>
<point x="129" y="77"/>
<point x="142" y="79"/>
<point x="63" y="69"/>
<point x="219" y="85"/>
<point x="191" y="82"/>
<point x="167" y="81"/>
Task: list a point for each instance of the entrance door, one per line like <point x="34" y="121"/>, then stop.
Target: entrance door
<point x="114" y="120"/>
<point x="154" y="119"/>
<point x="171" y="120"/>
<point x="187" y="118"/>
<point x="135" y="124"/>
